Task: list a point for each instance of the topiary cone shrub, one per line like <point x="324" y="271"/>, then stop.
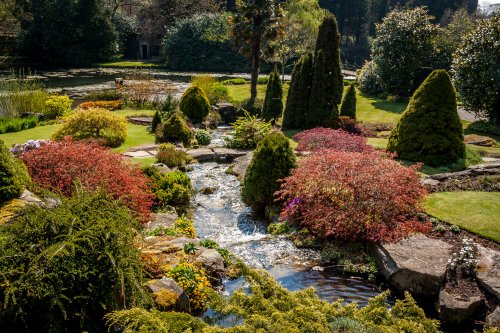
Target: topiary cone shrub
<point x="348" y="106"/>
<point x="273" y="102"/>
<point x="345" y="196"/>
<point x="14" y="176"/>
<point x="56" y="166"/>
<point x="273" y="160"/>
<point x="195" y="104"/>
<point x="156" y="121"/>
<point x="430" y="130"/>
<point x="174" y="129"/>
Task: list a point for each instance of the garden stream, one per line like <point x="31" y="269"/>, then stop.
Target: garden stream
<point x="223" y="217"/>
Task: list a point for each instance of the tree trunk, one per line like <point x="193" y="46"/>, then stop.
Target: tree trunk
<point x="255" y="67"/>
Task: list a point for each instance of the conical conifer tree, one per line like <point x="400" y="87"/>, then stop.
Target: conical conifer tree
<point x="156" y="121"/>
<point x="430" y="130"/>
<point x="292" y="98"/>
<point x="329" y="42"/>
<point x="273" y="102"/>
<point x="348" y="106"/>
<point x="319" y="111"/>
<point x="304" y="91"/>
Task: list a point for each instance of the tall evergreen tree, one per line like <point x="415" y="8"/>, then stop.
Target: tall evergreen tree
<point x="430" y="130"/>
<point x="304" y="90"/>
<point x="292" y="102"/>
<point x="329" y="42"/>
<point x="348" y="106"/>
<point x="319" y="109"/>
<point x="273" y="103"/>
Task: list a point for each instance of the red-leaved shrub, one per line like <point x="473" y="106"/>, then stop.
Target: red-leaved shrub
<point x="56" y="165"/>
<point x="327" y="138"/>
<point x="354" y="196"/>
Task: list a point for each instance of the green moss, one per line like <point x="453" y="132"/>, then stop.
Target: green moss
<point x="14" y="176"/>
<point x="430" y="130"/>
<point x="195" y="104"/>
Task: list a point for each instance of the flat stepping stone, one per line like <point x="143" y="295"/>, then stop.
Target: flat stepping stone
<point x="138" y="154"/>
<point x="202" y="154"/>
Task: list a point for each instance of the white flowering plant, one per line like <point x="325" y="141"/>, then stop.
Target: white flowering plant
<point x="466" y="258"/>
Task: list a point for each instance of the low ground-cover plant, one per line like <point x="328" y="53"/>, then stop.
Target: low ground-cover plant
<point x="354" y="196"/>
<point x="58" y="165"/>
<point x="65" y="267"/>
<point x="235" y="82"/>
<point x="171" y="189"/>
<point x="15" y="124"/>
<point x="174" y="129"/>
<point x="273" y="160"/>
<point x="108" y="105"/>
<point x="98" y="124"/>
<point x="172" y="157"/>
<point x="13" y="175"/>
<point x="327" y="138"/>
<point x="203" y="137"/>
<point x="57" y="106"/>
<point x="194" y="282"/>
<point x="182" y="226"/>
<point x="248" y="131"/>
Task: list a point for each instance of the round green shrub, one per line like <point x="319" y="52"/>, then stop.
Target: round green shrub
<point x="13" y="175"/>
<point x="348" y="106"/>
<point x="273" y="160"/>
<point x="203" y="137"/>
<point x="63" y="268"/>
<point x="195" y="104"/>
<point x="430" y="130"/>
<point x="174" y="129"/>
<point x="172" y="157"/>
<point x="56" y="106"/>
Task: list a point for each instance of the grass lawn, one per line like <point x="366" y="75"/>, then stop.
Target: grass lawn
<point x="128" y="64"/>
<point x="146" y="161"/>
<point x="239" y="93"/>
<point x="36" y="133"/>
<point x="477" y="212"/>
<point x="377" y="110"/>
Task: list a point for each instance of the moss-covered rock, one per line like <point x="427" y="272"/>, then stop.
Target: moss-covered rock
<point x="13" y="175"/>
<point x="174" y="129"/>
<point x="195" y="104"/>
<point x="430" y="130"/>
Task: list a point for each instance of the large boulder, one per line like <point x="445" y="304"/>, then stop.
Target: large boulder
<point x="202" y="154"/>
<point x="240" y="165"/>
<point x="493" y="319"/>
<point x="456" y="308"/>
<point x="213" y="264"/>
<point x="417" y="264"/>
<point x="168" y="295"/>
<point x="488" y="270"/>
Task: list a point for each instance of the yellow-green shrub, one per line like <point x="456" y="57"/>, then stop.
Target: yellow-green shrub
<point x="57" y="106"/>
<point x="108" y="105"/>
<point x="195" y="104"/>
<point x="99" y="124"/>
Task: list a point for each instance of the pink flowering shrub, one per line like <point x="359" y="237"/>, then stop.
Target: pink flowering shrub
<point x="354" y="197"/>
<point x="327" y="138"/>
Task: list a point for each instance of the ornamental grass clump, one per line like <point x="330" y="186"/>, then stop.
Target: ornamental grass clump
<point x="172" y="157"/>
<point x="327" y="138"/>
<point x="353" y="197"/>
<point x="14" y="176"/>
<point x="57" y="165"/>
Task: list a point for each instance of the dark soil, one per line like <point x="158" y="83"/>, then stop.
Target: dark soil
<point x="456" y="238"/>
<point x="480" y="183"/>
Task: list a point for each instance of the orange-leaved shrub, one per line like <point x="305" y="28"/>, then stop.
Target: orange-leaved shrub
<point x="327" y="138"/>
<point x="108" y="105"/>
<point x="57" y="165"/>
<point x="354" y="197"/>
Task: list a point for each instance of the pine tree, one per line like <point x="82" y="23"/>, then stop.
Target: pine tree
<point x="273" y="103"/>
<point x="329" y="42"/>
<point x="291" y="100"/>
<point x="156" y="121"/>
<point x="430" y="130"/>
<point x="304" y="91"/>
<point x="348" y="106"/>
<point x="318" y="111"/>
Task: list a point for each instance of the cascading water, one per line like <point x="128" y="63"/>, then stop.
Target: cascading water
<point x="222" y="216"/>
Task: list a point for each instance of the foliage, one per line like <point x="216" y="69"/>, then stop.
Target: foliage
<point x="273" y="103"/>
<point x="170" y="189"/>
<point x="105" y="95"/>
<point x="248" y="131"/>
<point x="348" y="106"/>
<point x="254" y="107"/>
<point x="203" y="137"/>
<point x="174" y="129"/>
<point x="182" y="226"/>
<point x="195" y="104"/>
<point x="236" y="81"/>
<point x="13" y="175"/>
<point x="430" y="130"/>
<point x="14" y="124"/>
<point x="21" y="96"/>
<point x="170" y="104"/>
<point x="202" y="42"/>
<point x="215" y="90"/>
<point x="255" y="27"/>
<point x="211" y="244"/>
<point x="108" y="105"/>
<point x="329" y="42"/>
<point x="320" y="110"/>
<point x="273" y="160"/>
<point x="91" y="37"/>
<point x="172" y="157"/>
<point x="99" y="124"/>
<point x="327" y="138"/>
<point x="402" y="48"/>
<point x="350" y="258"/>
<point x="57" y="106"/>
<point x="484" y="127"/>
<point x="368" y="79"/>
<point x="194" y="282"/>
<point x="156" y="121"/>
<point x="190" y="248"/>
<point x="350" y="125"/>
<point x="63" y="268"/>
<point x="345" y="196"/>
<point x="57" y="165"/>
<point x="475" y="70"/>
